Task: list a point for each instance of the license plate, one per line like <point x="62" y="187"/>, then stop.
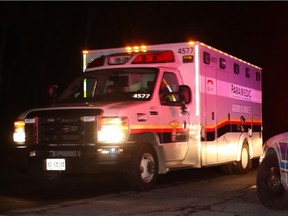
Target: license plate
<point x="55" y="164"/>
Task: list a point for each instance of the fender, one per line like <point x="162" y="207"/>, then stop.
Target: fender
<point x="153" y="139"/>
<point x="283" y="172"/>
<point x="243" y="138"/>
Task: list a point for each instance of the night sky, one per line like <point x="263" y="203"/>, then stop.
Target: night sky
<point x="41" y="44"/>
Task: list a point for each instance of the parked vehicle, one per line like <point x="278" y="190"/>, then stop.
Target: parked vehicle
<point x="272" y="177"/>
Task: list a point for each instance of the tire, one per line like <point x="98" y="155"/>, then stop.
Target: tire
<point x="245" y="163"/>
<point x="270" y="190"/>
<point x="47" y="179"/>
<point x="143" y="169"/>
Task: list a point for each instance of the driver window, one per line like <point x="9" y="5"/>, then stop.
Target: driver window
<point x="90" y="87"/>
<point x="84" y="89"/>
<point x="169" y="85"/>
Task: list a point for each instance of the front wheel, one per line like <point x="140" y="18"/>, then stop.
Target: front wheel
<point x="47" y="179"/>
<point x="143" y="170"/>
<point x="270" y="191"/>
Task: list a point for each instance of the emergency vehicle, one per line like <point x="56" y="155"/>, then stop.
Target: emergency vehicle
<point x="146" y="110"/>
<point x="272" y="176"/>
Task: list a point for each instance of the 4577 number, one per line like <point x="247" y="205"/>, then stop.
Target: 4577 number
<point x="186" y="50"/>
<point x="139" y="96"/>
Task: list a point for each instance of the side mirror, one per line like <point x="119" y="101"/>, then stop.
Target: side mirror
<point x="185" y="96"/>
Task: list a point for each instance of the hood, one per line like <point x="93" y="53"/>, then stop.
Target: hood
<point x="107" y="108"/>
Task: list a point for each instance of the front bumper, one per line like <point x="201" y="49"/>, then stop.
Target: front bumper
<point x="80" y="159"/>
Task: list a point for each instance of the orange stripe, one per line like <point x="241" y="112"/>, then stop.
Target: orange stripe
<point x="210" y="128"/>
<point x="158" y="130"/>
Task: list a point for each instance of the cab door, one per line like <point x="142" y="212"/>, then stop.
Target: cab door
<point x="173" y="124"/>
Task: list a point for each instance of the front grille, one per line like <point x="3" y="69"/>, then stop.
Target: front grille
<point x="65" y="130"/>
<point x="61" y="127"/>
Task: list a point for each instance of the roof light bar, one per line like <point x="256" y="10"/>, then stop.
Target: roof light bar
<point x="159" y="57"/>
<point x="142" y="48"/>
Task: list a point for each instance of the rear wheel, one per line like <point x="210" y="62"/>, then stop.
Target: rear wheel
<point x="270" y="191"/>
<point x="143" y="170"/>
<point x="242" y="166"/>
<point x="245" y="163"/>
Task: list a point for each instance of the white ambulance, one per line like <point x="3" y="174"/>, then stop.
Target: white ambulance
<point x="146" y="110"/>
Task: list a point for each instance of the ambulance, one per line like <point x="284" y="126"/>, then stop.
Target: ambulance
<point x="272" y="175"/>
<point x="147" y="110"/>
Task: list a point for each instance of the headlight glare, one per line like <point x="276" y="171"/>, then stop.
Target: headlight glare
<point x="113" y="130"/>
<point x="19" y="132"/>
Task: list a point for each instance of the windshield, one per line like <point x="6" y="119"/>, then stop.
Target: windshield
<point x="112" y="84"/>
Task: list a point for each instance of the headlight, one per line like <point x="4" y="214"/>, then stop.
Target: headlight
<point x="19" y="132"/>
<point x="113" y="130"/>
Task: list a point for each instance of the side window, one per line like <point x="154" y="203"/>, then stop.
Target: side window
<point x="206" y="57"/>
<point x="90" y="87"/>
<point x="83" y="89"/>
<point x="222" y="63"/>
<point x="247" y="72"/>
<point x="258" y="76"/>
<point x="169" y="86"/>
<point x="236" y="68"/>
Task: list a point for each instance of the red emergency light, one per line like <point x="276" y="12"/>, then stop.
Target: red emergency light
<point x="159" y="57"/>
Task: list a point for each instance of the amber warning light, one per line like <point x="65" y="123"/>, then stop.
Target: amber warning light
<point x="142" y="48"/>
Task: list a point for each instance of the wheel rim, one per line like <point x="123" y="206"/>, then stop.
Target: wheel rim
<point x="147" y="167"/>
<point x="274" y="182"/>
<point x="244" y="158"/>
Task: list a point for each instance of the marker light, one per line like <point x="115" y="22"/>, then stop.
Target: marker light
<point x="19" y="132"/>
<point x="187" y="59"/>
<point x="142" y="48"/>
<point x="84" y="60"/>
<point x="158" y="57"/>
<point x="113" y="130"/>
